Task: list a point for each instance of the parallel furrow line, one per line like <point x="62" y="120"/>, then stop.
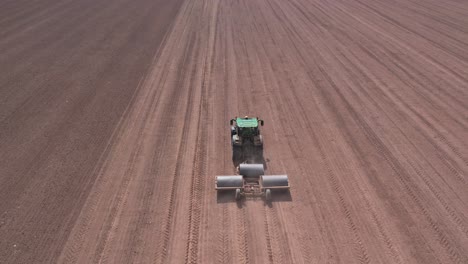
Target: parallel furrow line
<point x="268" y="236"/>
<point x="452" y="213"/>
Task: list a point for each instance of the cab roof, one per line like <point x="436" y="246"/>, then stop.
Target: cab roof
<point x="247" y="122"/>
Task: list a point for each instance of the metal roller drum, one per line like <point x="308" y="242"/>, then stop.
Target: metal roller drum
<point x="229" y="182"/>
<point x="275" y="181"/>
<point x="251" y="170"/>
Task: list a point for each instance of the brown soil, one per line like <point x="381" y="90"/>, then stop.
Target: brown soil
<point x="114" y="122"/>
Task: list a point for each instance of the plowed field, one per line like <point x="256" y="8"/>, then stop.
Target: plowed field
<point x="114" y="122"/>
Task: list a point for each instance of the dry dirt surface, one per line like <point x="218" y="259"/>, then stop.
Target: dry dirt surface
<point x="114" y="122"/>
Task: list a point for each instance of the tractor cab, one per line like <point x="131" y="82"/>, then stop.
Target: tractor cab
<point x="246" y="128"/>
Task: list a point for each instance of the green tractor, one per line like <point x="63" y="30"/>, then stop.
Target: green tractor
<point x="246" y="140"/>
<point x="247" y="154"/>
<point x="244" y="130"/>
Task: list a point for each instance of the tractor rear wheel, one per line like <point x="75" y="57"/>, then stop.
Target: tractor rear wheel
<point x="236" y="155"/>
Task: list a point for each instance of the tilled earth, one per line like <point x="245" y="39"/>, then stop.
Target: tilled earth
<point x="114" y="122"/>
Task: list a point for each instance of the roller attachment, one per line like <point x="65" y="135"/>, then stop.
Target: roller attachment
<point x="275" y="182"/>
<point x="251" y="170"/>
<point x="228" y="182"/>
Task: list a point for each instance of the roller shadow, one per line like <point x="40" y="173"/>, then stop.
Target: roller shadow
<point x="281" y="196"/>
<point x="276" y="197"/>
<point x="225" y="197"/>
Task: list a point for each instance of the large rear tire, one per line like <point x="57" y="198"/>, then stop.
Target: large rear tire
<point x="258" y="141"/>
<point x="237" y="155"/>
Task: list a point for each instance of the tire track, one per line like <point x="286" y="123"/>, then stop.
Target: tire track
<point x="168" y="126"/>
<point x="174" y="105"/>
<point x="441" y="236"/>
<point x="352" y="186"/>
<point x="278" y="234"/>
<point x="378" y="223"/>
<point x="268" y="237"/>
<point x="430" y="186"/>
<point x="100" y="250"/>
<point x="451" y="212"/>
<point x="70" y="254"/>
<point x="162" y="255"/>
<point x="403" y="101"/>
<point x="224" y="245"/>
<point x="223" y="253"/>
<point x="442" y="154"/>
<point x="362" y="254"/>
<point x="243" y="253"/>
<point x="195" y="210"/>
<point x="360" y="251"/>
<point x="268" y="74"/>
<point x="399" y="46"/>
<point x="174" y="187"/>
<point x="120" y="199"/>
<point x="169" y="108"/>
<point x="398" y="24"/>
<point x="396" y="166"/>
<point x="119" y="202"/>
<point x="403" y="178"/>
<point x="201" y="147"/>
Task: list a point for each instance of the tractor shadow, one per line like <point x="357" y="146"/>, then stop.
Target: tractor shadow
<point x="278" y="197"/>
<point x="223" y="197"/>
<point x="281" y="196"/>
<point x="229" y="197"/>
